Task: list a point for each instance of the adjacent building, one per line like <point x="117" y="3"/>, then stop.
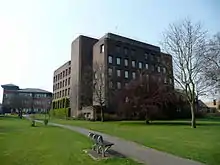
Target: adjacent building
<point x="122" y="60"/>
<point x="61" y="87"/>
<point x="29" y="99"/>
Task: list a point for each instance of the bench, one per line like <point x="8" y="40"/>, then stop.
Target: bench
<point x="100" y="145"/>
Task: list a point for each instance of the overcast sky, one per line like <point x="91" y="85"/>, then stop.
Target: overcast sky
<point x="35" y="35"/>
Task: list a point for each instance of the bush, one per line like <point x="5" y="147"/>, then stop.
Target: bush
<point x="46" y="121"/>
<point x="81" y="116"/>
<point x="59" y="113"/>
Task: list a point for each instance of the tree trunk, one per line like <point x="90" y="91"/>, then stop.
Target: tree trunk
<point x="193" y="120"/>
<point x="102" y="114"/>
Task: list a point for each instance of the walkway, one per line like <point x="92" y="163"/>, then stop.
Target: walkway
<point x="136" y="151"/>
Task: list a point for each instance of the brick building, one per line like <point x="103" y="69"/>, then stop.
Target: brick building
<point x="122" y="59"/>
<point x="28" y="99"/>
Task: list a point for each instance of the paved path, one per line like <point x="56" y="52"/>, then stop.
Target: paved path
<point x="133" y="150"/>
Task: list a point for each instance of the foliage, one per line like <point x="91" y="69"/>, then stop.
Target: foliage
<point x="59" y="113"/>
<point x="146" y="98"/>
<point x="46" y="121"/>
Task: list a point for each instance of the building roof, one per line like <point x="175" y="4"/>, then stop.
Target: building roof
<point x="33" y="90"/>
<point x="132" y="41"/>
<point x="10" y="85"/>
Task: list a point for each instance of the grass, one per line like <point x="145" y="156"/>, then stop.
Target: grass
<point x="21" y="144"/>
<point x="175" y="137"/>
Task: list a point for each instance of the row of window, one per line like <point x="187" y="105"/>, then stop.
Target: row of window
<point x="126" y="73"/>
<point x="125" y="51"/>
<point x="119" y="84"/>
<point x="133" y="64"/>
<point x="61" y="84"/>
<point x="62" y="75"/>
<point x="62" y="93"/>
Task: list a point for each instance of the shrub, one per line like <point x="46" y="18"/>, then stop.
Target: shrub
<point x="59" y="113"/>
<point x="45" y="121"/>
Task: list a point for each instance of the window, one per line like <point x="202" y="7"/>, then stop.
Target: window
<point x="158" y="69"/>
<point x="68" y="91"/>
<point x="165" y="80"/>
<point x="140" y="65"/>
<point x="118" y="61"/>
<point x="61" y="75"/>
<point x="152" y="67"/>
<point x="146" y="66"/>
<point x="62" y="93"/>
<point x="133" y="64"/>
<point x="133" y="75"/>
<point x="69" y="81"/>
<point x="61" y="85"/>
<point x="119" y="73"/>
<point x="66" y="72"/>
<point x="102" y="48"/>
<point x="118" y="49"/>
<point x="110" y="71"/>
<point x="126" y="62"/>
<point x="110" y="84"/>
<point x="146" y="55"/>
<point x="110" y="59"/>
<point x="126" y="74"/>
<point x="69" y="70"/>
<point x="158" y="59"/>
<point x="54" y="79"/>
<point x="171" y="82"/>
<point x="125" y="50"/>
<point x="118" y="85"/>
<point x="132" y="52"/>
<point x="66" y="82"/>
<point x="65" y="92"/>
<point x="164" y="70"/>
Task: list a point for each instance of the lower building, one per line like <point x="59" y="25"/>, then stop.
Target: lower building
<point x="30" y="100"/>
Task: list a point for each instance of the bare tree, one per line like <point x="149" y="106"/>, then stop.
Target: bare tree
<point x="212" y="61"/>
<point x="187" y="43"/>
<point x="99" y="88"/>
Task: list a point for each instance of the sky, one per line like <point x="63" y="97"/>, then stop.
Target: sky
<point x="36" y="35"/>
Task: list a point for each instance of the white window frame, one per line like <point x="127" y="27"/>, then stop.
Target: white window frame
<point x="133" y="75"/>
<point x="110" y="70"/>
<point x="140" y="65"/>
<point x="119" y="73"/>
<point x="102" y="48"/>
<point x="118" y="61"/>
<point x="133" y="63"/>
<point x="126" y="74"/>
<point x="118" y="85"/>
<point x="110" y="59"/>
<point x="126" y="62"/>
<point x="158" y="69"/>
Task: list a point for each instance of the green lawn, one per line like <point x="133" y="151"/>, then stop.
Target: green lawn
<point x="21" y="144"/>
<point x="176" y="137"/>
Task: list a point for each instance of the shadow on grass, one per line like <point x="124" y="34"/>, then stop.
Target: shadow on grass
<point x="171" y="123"/>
